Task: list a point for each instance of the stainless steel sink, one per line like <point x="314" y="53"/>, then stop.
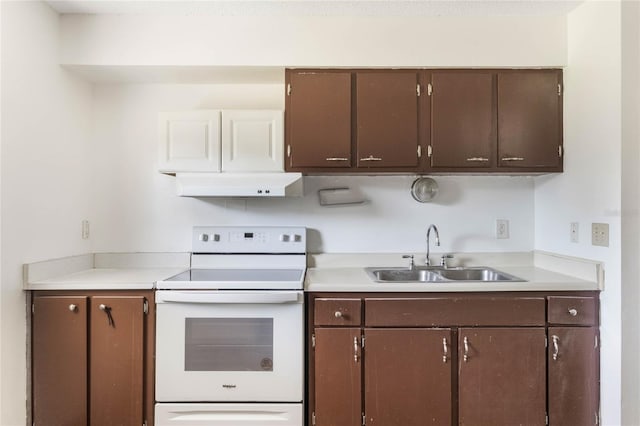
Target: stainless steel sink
<point x="476" y="274"/>
<point x="429" y="274"/>
<point x="403" y="275"/>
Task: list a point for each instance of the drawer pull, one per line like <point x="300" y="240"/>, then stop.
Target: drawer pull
<point x="478" y="159"/>
<point x="556" y="347"/>
<point x="573" y="312"/>
<point x="338" y="314"/>
<point x="73" y="307"/>
<point x="465" y="357"/>
<point x="512" y="159"/>
<point x="355" y="350"/>
<point x="337" y="159"/>
<point x="107" y="310"/>
<point x="371" y="158"/>
<point x="444" y="349"/>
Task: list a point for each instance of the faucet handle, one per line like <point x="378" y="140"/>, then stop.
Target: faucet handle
<point x="443" y="259"/>
<point x="410" y="257"/>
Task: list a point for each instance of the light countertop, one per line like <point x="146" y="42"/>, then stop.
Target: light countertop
<point x="104" y="271"/>
<point x="540" y="272"/>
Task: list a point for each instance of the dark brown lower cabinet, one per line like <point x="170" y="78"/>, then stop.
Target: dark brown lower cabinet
<point x="60" y="360"/>
<point x="117" y="360"/>
<point x="573" y="376"/>
<point x="407" y="376"/>
<point x="472" y="359"/>
<point x="338" y="377"/>
<point x="92" y="359"/>
<point x="501" y="377"/>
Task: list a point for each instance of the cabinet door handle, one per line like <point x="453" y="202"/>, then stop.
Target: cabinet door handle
<point x="338" y="314"/>
<point x="73" y="307"/>
<point x="371" y="158"/>
<point x="573" y="312"/>
<point x="465" y="356"/>
<point x="337" y="159"/>
<point x="556" y="347"/>
<point x="477" y="159"/>
<point x="444" y="350"/>
<point x="107" y="310"/>
<point x="512" y="159"/>
<point x="355" y="350"/>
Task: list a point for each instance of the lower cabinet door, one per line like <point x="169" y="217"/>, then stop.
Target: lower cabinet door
<point x="60" y="360"/>
<point x="573" y="376"/>
<point x="407" y="376"/>
<point x="338" y="377"/>
<point x="502" y="376"/>
<point x="117" y="360"/>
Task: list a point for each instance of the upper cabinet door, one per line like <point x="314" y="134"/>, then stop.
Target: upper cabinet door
<point x="463" y="119"/>
<point x="189" y="141"/>
<point x="387" y="119"/>
<point x="530" y="119"/>
<point x="252" y="140"/>
<point x="318" y="119"/>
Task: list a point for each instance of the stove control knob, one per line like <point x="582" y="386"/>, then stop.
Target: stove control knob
<point x="216" y="237"/>
<point x="284" y="238"/>
<point x="204" y="238"/>
<point x="297" y="238"/>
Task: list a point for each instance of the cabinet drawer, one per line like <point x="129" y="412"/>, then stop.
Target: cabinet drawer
<point x="337" y="312"/>
<point x="572" y="310"/>
<point x="460" y="311"/>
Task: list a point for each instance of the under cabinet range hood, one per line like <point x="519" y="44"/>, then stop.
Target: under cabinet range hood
<point x="239" y="184"/>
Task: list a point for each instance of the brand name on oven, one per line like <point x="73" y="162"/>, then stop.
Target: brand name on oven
<point x="229" y="386"/>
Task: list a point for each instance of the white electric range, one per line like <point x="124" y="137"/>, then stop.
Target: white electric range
<point x="229" y="331"/>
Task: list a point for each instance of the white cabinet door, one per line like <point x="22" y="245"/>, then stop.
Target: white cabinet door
<point x="189" y="141"/>
<point x="252" y="141"/>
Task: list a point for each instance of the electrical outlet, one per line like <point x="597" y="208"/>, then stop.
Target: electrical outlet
<point x="600" y="234"/>
<point x="574" y="232"/>
<point x="85" y="229"/>
<point x="502" y="229"/>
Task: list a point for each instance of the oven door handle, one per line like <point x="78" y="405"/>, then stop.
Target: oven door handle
<point x="245" y="297"/>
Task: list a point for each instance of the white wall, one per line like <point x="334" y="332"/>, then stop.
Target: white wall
<point x="44" y="174"/>
<point x="360" y="41"/>
<point x="136" y="209"/>
<point x="590" y="188"/>
<point x="630" y="212"/>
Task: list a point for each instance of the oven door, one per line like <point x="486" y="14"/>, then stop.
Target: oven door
<point x="229" y="346"/>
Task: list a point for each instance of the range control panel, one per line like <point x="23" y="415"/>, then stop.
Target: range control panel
<point x="249" y="239"/>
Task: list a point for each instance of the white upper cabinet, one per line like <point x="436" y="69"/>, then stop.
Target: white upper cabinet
<point x="189" y="141"/>
<point x="252" y="141"/>
<point x="227" y="141"/>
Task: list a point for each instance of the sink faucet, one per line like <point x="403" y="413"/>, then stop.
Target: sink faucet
<point x="427" y="261"/>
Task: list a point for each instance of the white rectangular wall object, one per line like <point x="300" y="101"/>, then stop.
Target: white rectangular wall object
<point x="252" y="140"/>
<point x="189" y="141"/>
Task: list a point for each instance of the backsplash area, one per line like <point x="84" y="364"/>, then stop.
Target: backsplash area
<point x="390" y="220"/>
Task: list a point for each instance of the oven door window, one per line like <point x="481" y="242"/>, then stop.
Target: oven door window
<point x="228" y="344"/>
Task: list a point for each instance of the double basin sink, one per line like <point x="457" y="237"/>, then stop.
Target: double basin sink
<point x="438" y="274"/>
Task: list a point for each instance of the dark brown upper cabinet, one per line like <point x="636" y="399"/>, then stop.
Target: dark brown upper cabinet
<point x="387" y="119"/>
<point x="318" y="120"/>
<point x="424" y="121"/>
<point x="530" y="119"/>
<point x="463" y="120"/>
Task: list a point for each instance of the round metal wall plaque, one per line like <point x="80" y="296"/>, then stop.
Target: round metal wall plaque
<point x="424" y="189"/>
